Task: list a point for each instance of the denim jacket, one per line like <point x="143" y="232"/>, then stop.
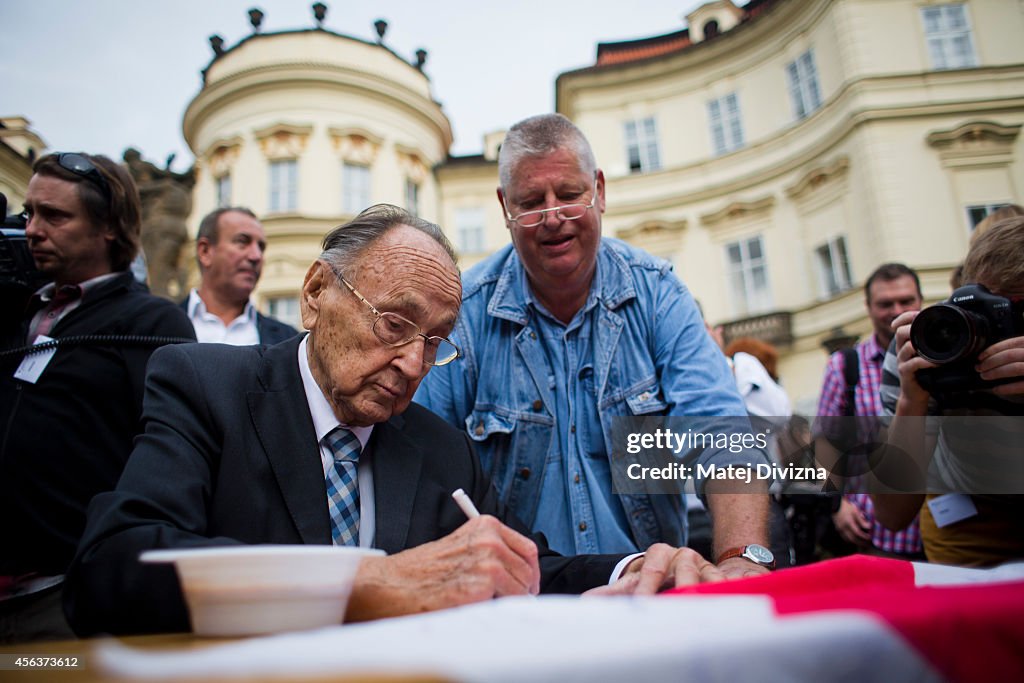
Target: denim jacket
<point x="652" y="357"/>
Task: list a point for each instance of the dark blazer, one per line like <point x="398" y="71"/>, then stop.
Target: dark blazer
<point x="229" y="455"/>
<point x="271" y="330"/>
<point x="67" y="437"/>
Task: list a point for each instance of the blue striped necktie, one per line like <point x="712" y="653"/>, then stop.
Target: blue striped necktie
<point x="342" y="487"/>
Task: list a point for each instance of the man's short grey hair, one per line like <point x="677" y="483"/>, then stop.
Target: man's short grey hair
<point x="539" y="136"/>
<point x="344" y="245"/>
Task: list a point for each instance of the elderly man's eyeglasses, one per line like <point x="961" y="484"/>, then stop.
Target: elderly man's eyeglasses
<point x="394" y="330"/>
<point x="566" y="212"/>
<point x="80" y="165"/>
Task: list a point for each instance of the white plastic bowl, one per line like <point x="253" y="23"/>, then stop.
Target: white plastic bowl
<point x="257" y="589"/>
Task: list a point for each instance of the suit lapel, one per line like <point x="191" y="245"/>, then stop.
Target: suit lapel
<point x="261" y="329"/>
<point x="397" y="461"/>
<point x="281" y="420"/>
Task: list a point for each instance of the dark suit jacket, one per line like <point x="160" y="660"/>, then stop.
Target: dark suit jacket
<point x="271" y="330"/>
<point x="67" y="437"/>
<point x="229" y="455"/>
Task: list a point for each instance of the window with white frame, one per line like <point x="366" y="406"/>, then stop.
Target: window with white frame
<point x="642" y="145"/>
<point x="469" y="230"/>
<point x="284" y="181"/>
<point x="724" y="119"/>
<point x="285" y="309"/>
<point x="976" y="213"/>
<point x="412" y="196"/>
<point x="833" y="267"/>
<point x="223" y="191"/>
<point x="802" y="76"/>
<point x="948" y="35"/>
<point x="355" y="187"/>
<point x="748" y="276"/>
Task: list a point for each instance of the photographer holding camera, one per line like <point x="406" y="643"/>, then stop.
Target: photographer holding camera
<point x="961" y="361"/>
<point x="69" y="414"/>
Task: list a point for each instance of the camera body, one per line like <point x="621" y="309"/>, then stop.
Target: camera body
<point x="951" y="334"/>
<point x="19" y="278"/>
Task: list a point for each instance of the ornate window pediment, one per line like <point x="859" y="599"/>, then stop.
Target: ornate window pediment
<point x="738" y="211"/>
<point x="410" y="161"/>
<point x="975" y="143"/>
<point x="651" y="229"/>
<point x="818" y="177"/>
<point x="283" y="140"/>
<point x="356" y="145"/>
<point x="222" y="154"/>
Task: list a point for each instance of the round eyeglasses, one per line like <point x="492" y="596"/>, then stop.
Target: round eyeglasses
<point x="394" y="330"/>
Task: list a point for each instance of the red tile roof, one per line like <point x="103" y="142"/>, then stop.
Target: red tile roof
<point x="655" y="46"/>
<point x="632" y="50"/>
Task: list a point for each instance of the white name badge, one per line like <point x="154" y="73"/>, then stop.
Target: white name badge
<point x="33" y="364"/>
<point x="951" y="508"/>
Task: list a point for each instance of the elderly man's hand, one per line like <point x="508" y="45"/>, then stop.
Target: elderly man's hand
<point x="481" y="560"/>
<point x="663" y="567"/>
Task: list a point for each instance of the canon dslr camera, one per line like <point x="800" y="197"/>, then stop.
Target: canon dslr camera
<point x="951" y="334"/>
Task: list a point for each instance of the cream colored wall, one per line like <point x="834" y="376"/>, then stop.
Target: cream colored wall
<point x="472" y="187"/>
<point x="14" y="177"/>
<point x="20" y="143"/>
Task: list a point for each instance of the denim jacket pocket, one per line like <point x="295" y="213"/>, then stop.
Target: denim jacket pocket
<point x="512" y="451"/>
<point x="493" y="433"/>
<point x="647" y="401"/>
<point x="482" y="424"/>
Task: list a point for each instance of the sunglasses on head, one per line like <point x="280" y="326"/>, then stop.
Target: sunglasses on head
<point x="80" y="165"/>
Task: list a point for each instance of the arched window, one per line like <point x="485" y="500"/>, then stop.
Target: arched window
<point x="710" y="29"/>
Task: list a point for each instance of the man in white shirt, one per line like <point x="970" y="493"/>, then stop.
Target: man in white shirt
<point x="229" y="249"/>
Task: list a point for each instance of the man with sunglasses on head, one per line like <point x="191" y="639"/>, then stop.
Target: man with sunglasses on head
<point x="315" y="440"/>
<point x="563" y="331"/>
<point x="69" y="415"/>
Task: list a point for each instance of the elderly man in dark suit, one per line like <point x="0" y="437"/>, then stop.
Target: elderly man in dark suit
<point x="240" y="446"/>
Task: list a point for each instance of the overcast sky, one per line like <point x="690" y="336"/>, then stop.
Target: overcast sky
<point x="103" y="75"/>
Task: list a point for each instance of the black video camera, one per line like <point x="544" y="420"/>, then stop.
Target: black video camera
<point x="951" y="334"/>
<point x="19" y="278"/>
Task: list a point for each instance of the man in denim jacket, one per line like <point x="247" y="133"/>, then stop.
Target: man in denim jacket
<point x="564" y="330"/>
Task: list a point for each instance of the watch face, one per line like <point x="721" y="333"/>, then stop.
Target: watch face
<point x="759" y="554"/>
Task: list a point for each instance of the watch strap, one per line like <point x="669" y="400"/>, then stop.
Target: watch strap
<point x="741" y="551"/>
<point x="731" y="553"/>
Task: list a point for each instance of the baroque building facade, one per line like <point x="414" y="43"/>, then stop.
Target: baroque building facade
<point x="775" y="153"/>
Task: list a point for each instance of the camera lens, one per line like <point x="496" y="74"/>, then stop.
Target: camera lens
<point x="944" y="333"/>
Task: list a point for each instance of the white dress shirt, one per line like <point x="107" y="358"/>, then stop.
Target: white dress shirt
<point x="242" y="331"/>
<point x="324" y="422"/>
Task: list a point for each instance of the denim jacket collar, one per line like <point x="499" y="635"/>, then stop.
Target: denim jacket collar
<point x="512" y="294"/>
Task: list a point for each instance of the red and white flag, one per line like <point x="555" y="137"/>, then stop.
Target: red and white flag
<point x="969" y="631"/>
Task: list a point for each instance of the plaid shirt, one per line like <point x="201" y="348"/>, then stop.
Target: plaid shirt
<point x="868" y="403"/>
